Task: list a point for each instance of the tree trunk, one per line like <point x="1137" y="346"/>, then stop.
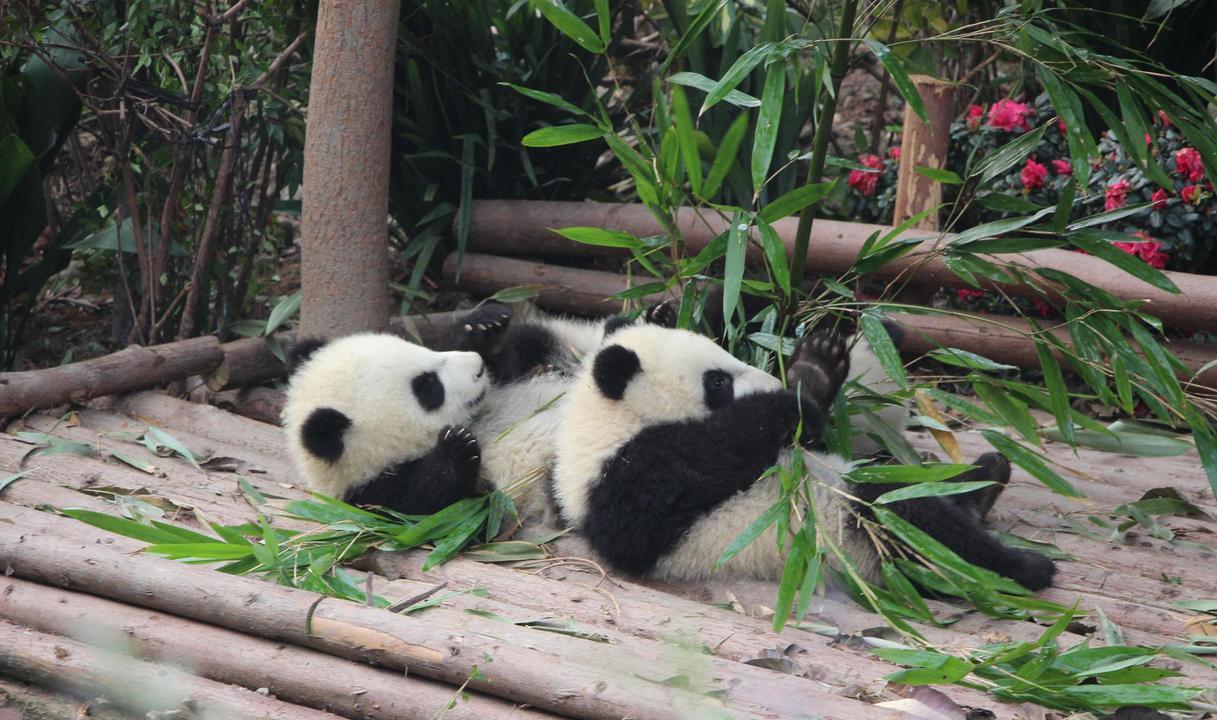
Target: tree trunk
<point x="345" y="259"/>
<point x="924" y="145"/>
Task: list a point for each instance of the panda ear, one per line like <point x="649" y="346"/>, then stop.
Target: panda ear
<point x="302" y="350"/>
<point x="322" y="433"/>
<point x="613" y="369"/>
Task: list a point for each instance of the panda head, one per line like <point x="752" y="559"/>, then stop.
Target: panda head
<point x="357" y="405"/>
<point x="643" y="375"/>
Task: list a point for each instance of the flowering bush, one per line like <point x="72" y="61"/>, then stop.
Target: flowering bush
<point x="870" y="189"/>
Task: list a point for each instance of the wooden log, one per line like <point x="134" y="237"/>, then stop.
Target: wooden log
<point x="250" y="360"/>
<point x="22" y="700"/>
<point x="256" y="403"/>
<point x="997" y="337"/>
<point x="523" y="227"/>
<point x="135" y="368"/>
<point x="290" y="673"/>
<point x="924" y="144"/>
<point x="563" y="289"/>
<point x="562" y="674"/>
<point x="56" y="662"/>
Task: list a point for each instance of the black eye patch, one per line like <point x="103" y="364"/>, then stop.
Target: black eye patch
<point x="719" y="388"/>
<point x="429" y="391"/>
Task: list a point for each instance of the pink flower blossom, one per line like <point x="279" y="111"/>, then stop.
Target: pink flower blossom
<point x="1149" y="250"/>
<point x="1061" y="126"/>
<point x="1117" y="195"/>
<point x="1188" y="164"/>
<point x="1045" y="310"/>
<point x="1062" y="167"/>
<point x="1166" y="122"/>
<point x="1191" y="194"/>
<point x="894" y="153"/>
<point x="975" y="113"/>
<point x="1009" y="115"/>
<point x="967" y="295"/>
<point x="864" y="181"/>
<point x="1148" y="140"/>
<point x="1033" y="175"/>
<point x="1159" y="197"/>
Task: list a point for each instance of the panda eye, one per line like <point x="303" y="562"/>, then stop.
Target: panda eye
<point x="428" y="390"/>
<point x="718" y="388"/>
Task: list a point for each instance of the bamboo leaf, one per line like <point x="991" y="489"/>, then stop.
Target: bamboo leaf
<point x="885" y="350"/>
<point x="160" y="438"/>
<point x="767" y="123"/>
<point x="696" y="28"/>
<point x="1030" y="462"/>
<point x="705" y="84"/>
<point x="725" y="156"/>
<point x="945" y="177"/>
<point x="570" y="25"/>
<point x="925" y="473"/>
<point x="734" y="75"/>
<point x="283" y="310"/>
<point x="6" y="481"/>
<point x="733" y="271"/>
<point x="752" y="532"/>
<point x="1127" y="262"/>
<point x="557" y="135"/>
<point x="600" y="237"/>
<point x="1058" y="394"/>
<point x="930" y="489"/>
<point x="684" y="137"/>
<point x="1007" y="156"/>
<point x="900" y="78"/>
<point x="775" y="255"/>
<point x="548" y="98"/>
<point x="795" y="200"/>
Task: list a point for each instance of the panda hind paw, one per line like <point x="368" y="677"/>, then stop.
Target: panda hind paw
<point x="487" y="322"/>
<point x="664" y="314"/>
<point x="461" y="446"/>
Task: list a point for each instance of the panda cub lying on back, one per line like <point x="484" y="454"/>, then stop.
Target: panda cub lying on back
<point x="665" y="437"/>
<point x="375" y="420"/>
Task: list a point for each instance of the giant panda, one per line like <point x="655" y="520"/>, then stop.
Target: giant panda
<point x="375" y="420"/>
<point x="532" y="360"/>
<point x="664" y="441"/>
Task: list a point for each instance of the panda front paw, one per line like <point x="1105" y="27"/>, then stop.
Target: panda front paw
<point x="665" y="314"/>
<point x="486" y="323"/>
<point x="819" y="366"/>
<point x="462" y="448"/>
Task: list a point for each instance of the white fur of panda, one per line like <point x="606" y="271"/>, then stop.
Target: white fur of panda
<point x="374" y="419"/>
<point x="663" y="437"/>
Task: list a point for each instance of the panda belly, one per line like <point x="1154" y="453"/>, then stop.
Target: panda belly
<point x="695" y="554"/>
<point x="516" y="429"/>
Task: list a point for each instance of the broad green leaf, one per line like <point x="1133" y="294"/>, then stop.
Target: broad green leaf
<point x="942" y="556"/>
<point x="775" y="255"/>
<point x="156" y="437"/>
<point x="55" y="445"/>
<point x="604" y="20"/>
<point x="547" y="98"/>
<point x="1164" y="696"/>
<point x="795" y="200"/>
<point x="1058" y="394"/>
<point x="1067" y="103"/>
<point x="1012" y="410"/>
<point x="735" y="74"/>
<point x="767" y="123"/>
<point x="600" y="237"/>
<point x="685" y="138"/>
<point x="561" y="135"/>
<point x="570" y="25"/>
<point x="1007" y="156"/>
<point x="694" y="31"/>
<point x="1127" y="262"/>
<point x="752" y="532"/>
<point x="949" y="670"/>
<point x="725" y="156"/>
<point x="137" y="463"/>
<point x="283" y="310"/>
<point x="1110" y="216"/>
<point x="926" y="473"/>
<point x="895" y="67"/>
<point x="202" y="551"/>
<point x="945" y="177"/>
<point x="1002" y="202"/>
<point x="930" y="489"/>
<point x="733" y="270"/>
<point x="996" y="227"/>
<point x="121" y="526"/>
<point x="705" y="84"/>
<point x="881" y="344"/>
<point x="1030" y="462"/>
<point x="965" y="359"/>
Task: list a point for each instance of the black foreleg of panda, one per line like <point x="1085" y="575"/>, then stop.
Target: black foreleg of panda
<point x="446" y="474"/>
<point x="669" y="475"/>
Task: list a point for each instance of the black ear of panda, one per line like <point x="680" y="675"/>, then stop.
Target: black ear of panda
<point x="302" y="350"/>
<point x="615" y="366"/>
<point x="322" y="433"/>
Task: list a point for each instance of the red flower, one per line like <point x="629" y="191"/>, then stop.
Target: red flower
<point x="1062" y="167"/>
<point x="967" y="295"/>
<point x="1153" y="254"/>
<point x="1045" y="310"/>
<point x="1009" y="115"/>
<point x="1033" y="175"/>
<point x="894" y="153"/>
<point x="1117" y="194"/>
<point x="1159" y="197"/>
<point x="865" y="181"/>
<point x="1188" y="164"/>
<point x="1166" y="122"/>
<point x="1061" y="126"/>
<point x="1192" y="194"/>
<point x="1148" y="140"/>
<point x="975" y="113"/>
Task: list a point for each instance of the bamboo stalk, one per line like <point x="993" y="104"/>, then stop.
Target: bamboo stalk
<point x="523" y="227"/>
<point x="134" y="368"/>
<point x="563" y="674"/>
<point x="292" y="674"/>
<point x="53" y="661"/>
